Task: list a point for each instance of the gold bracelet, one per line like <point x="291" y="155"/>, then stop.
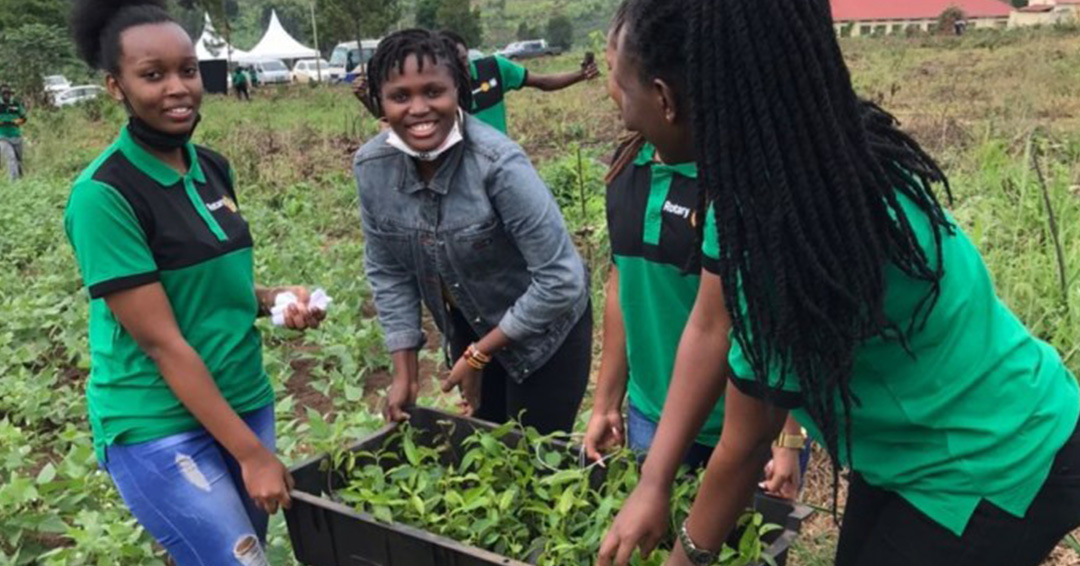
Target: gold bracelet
<point x="475" y="358"/>
<point x="476" y="353"/>
<point x="791" y="441"/>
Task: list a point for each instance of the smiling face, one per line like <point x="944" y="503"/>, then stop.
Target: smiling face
<point x="421" y="106"/>
<point x="159" y="77"/>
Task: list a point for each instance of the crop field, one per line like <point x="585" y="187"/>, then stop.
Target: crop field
<point x="1000" y="110"/>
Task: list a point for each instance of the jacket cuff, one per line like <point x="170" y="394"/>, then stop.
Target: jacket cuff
<point x="404" y="340"/>
<point x="514" y="328"/>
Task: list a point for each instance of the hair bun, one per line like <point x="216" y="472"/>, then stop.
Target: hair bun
<point x="89" y="18"/>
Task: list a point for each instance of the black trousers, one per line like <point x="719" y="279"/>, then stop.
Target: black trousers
<point x="880" y="528"/>
<point x="550" y="397"/>
<point x="242" y="92"/>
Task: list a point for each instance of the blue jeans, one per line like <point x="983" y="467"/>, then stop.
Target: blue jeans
<point x="640" y="431"/>
<point x="188" y="492"/>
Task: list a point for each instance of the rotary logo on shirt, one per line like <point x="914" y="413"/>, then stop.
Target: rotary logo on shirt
<point x="486" y="86"/>
<point x="225" y="202"/>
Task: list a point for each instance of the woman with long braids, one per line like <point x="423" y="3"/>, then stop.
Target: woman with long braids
<point x="456" y="218"/>
<point x="836" y="285"/>
<point x="654" y="210"/>
<point x="181" y="408"/>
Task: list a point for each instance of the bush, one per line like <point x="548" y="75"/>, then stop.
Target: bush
<point x="30" y="52"/>
<point x="560" y="31"/>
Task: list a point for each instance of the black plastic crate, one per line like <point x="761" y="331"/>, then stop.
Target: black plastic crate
<point x="327" y="533"/>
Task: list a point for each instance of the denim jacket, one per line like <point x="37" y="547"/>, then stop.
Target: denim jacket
<point x="487" y="230"/>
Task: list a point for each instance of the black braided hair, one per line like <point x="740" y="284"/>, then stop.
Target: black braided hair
<point x="429" y="48"/>
<point x="806" y="180"/>
<point x="96" y="26"/>
<point x="455" y="37"/>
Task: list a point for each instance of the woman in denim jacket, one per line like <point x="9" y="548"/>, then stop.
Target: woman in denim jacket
<point x="456" y="217"/>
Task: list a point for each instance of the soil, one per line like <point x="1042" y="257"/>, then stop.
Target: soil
<point x="303" y="393"/>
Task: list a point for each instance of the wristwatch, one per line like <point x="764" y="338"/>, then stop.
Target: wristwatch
<point x="793" y="441"/>
<point x="697" y="556"/>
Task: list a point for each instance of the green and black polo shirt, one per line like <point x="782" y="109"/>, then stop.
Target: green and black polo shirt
<point x="9" y="113"/>
<point x="133" y="220"/>
<point x="975" y="408"/>
<point x="652" y="214"/>
<point x="492" y="77"/>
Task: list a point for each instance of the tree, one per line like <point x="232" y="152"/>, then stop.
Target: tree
<point x="358" y="19"/>
<point x="219" y="12"/>
<point x="560" y="31"/>
<point x="459" y="16"/>
<point x="427" y="14"/>
<point x="525" y="32"/>
<point x="30" y="52"/>
<point x="948" y="18"/>
<point x="18" y="13"/>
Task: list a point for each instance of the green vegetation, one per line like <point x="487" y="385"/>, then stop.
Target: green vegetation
<point x="524" y="499"/>
<point x="988" y="104"/>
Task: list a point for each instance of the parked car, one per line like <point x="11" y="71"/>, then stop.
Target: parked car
<point x="529" y="49"/>
<point x="270" y="71"/>
<point x="56" y="84"/>
<point x="77" y="94"/>
<point x="307" y="70"/>
<point x="475" y="54"/>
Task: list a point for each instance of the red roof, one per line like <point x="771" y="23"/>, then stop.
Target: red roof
<point x="849" y="10"/>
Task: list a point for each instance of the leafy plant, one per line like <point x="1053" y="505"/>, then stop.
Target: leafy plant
<point x="514" y="492"/>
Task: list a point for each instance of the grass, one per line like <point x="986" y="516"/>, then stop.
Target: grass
<point x="989" y="105"/>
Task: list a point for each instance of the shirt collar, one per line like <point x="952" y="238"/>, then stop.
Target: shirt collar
<point x="647" y="156"/>
<point x="156" y="168"/>
<point x="440" y="183"/>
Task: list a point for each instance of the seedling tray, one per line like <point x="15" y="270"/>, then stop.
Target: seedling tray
<point x="327" y="533"/>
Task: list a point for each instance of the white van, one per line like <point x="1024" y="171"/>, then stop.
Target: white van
<point x="349" y="56"/>
<point x="270" y="71"/>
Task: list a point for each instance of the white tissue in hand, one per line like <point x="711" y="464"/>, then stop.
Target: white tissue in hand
<point x="319" y="301"/>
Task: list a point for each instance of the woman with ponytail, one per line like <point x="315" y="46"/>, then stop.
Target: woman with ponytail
<point x="181" y="409"/>
<point x="835" y="285"/>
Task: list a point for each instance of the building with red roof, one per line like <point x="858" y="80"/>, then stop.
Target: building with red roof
<point x="880" y="17"/>
<point x="1046" y="12"/>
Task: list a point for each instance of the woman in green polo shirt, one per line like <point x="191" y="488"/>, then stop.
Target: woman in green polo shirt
<point x="835" y="285"/>
<point x="653" y="210"/>
<point x="180" y="406"/>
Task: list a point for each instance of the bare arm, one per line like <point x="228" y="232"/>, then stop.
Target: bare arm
<point x="559" y="81"/>
<point x="698" y="382"/>
<point x="749" y="428"/>
<point x="605" y="429"/>
<point x="146" y="314"/>
<point x="614" y="368"/>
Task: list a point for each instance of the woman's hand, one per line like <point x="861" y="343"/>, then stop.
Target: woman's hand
<point x="360" y="88"/>
<point x="641" y="523"/>
<point x="468" y="380"/>
<point x="298" y="316"/>
<point x="267" y="480"/>
<point x="403" y="393"/>
<point x="782" y="474"/>
<point x="678" y="557"/>
<point x="604" y="433"/>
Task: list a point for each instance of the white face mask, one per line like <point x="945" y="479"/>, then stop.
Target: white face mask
<point x="452" y="139"/>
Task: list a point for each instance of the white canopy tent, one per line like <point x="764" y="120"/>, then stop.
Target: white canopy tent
<point x="211" y="47"/>
<point x="276" y="43"/>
